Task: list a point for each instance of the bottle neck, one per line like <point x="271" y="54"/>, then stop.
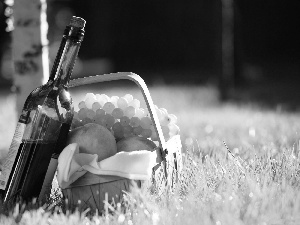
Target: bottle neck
<point x="66" y="56"/>
<point x="57" y="59"/>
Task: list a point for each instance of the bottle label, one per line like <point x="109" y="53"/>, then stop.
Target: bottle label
<point x="11" y="155"/>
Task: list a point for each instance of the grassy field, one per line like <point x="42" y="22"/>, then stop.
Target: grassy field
<point x="259" y="186"/>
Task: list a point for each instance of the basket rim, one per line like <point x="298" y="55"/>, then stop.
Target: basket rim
<point x="90" y="179"/>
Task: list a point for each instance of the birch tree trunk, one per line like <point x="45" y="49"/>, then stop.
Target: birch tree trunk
<point x="30" y="47"/>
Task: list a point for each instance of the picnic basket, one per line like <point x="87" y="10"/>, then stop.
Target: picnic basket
<point x="90" y="190"/>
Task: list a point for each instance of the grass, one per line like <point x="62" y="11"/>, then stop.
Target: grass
<point x="259" y="186"/>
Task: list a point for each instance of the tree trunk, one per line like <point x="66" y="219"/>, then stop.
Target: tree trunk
<point x="30" y="47"/>
<point x="227" y="76"/>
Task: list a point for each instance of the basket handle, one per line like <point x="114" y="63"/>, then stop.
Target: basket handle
<point x="142" y="86"/>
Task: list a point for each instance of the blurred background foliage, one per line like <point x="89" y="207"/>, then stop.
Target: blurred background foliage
<point x="180" y="42"/>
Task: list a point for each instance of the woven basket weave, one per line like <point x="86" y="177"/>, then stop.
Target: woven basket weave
<point x="89" y="191"/>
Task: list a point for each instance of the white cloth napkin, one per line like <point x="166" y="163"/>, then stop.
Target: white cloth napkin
<point x="136" y="165"/>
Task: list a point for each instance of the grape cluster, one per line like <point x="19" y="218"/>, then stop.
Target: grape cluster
<point x="123" y="116"/>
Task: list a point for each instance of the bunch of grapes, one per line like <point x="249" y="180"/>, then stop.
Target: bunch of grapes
<point x="123" y="116"/>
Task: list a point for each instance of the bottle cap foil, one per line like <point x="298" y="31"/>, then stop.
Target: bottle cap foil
<point x="77" y="22"/>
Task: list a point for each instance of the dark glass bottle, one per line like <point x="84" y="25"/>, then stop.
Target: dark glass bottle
<point x="43" y="125"/>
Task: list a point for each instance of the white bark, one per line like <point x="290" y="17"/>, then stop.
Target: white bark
<point x="30" y="47"/>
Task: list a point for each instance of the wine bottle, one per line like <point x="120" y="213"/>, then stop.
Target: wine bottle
<point x="43" y="125"/>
